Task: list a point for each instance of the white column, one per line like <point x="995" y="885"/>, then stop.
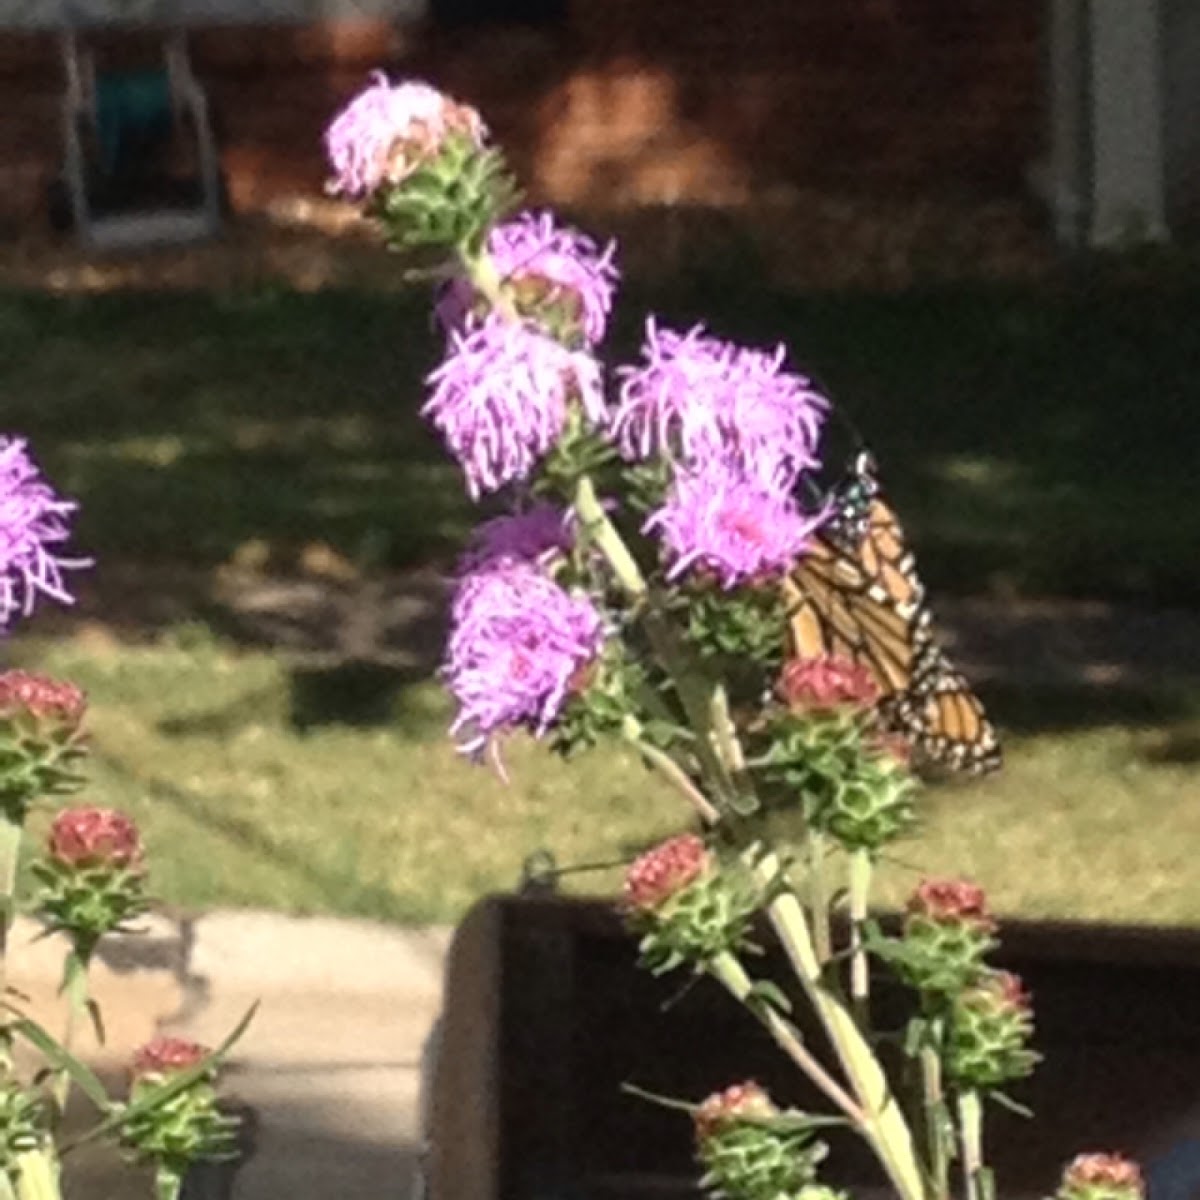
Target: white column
<point x="1127" y="173"/>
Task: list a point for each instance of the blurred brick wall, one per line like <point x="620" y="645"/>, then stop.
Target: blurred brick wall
<point x="633" y="102"/>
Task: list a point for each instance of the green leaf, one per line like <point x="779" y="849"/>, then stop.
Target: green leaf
<point x="769" y="995"/>
<point x="62" y="1059"/>
<point x="1012" y="1105"/>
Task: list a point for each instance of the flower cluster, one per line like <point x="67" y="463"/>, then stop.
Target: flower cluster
<point x="657" y="875"/>
<point x="696" y="398"/>
<point x="518" y="646"/>
<point x="388" y="130"/>
<point x="503" y="396"/>
<point x="718" y="522"/>
<point x="34" y="521"/>
<point x="550" y="272"/>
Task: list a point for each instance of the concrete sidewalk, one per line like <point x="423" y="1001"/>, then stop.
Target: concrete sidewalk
<point x="329" y="1067"/>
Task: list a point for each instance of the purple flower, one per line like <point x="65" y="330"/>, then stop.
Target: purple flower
<point x="388" y="130"/>
<point x="695" y="398"/>
<point x="518" y="647"/>
<point x="547" y="264"/>
<point x="33" y="520"/>
<point x="719" y="521"/>
<point x="502" y="396"/>
<point x="539" y="534"/>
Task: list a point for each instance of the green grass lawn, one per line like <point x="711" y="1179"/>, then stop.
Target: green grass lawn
<point x="1037" y="443"/>
<point x="1093" y="817"/>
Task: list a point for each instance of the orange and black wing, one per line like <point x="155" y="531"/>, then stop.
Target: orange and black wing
<point x="856" y="595"/>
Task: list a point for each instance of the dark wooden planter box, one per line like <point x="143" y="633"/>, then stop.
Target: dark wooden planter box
<point x="547" y="1015"/>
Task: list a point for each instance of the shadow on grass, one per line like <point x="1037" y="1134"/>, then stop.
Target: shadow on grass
<point x="1037" y="440"/>
<point x="1062" y="708"/>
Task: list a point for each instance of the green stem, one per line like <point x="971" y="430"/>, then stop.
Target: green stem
<point x="694" y="694"/>
<point x="75" y="989"/>
<point x="818" y="899"/>
<point x="39" y="1175"/>
<point x="970" y="1132"/>
<point x="10" y="853"/>
<point x="732" y="975"/>
<point x="886" y="1129"/>
<point x="167" y="1183"/>
<point x="860" y="967"/>
<point x="671" y="770"/>
<point x="935" y="1120"/>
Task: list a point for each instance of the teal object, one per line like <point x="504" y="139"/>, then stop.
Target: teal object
<point x="132" y="109"/>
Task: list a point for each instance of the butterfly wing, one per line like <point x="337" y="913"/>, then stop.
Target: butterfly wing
<point x="856" y="595"/>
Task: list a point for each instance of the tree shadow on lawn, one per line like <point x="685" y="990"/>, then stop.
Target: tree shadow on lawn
<point x="1034" y="439"/>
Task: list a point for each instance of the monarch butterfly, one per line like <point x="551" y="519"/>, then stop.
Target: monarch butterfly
<point x="856" y="595"/>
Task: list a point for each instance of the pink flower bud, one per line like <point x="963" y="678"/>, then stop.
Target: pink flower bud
<point x="741" y="1101"/>
<point x="1011" y="990"/>
<point x="1104" y="1170"/>
<point x="950" y="900"/>
<point x="820" y="684"/>
<point x="166" y="1056"/>
<point x="654" y="877"/>
<point x="85" y="837"/>
<point x="41" y="697"/>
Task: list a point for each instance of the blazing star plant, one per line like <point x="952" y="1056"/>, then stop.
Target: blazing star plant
<point x="629" y="581"/>
<point x="88" y="882"/>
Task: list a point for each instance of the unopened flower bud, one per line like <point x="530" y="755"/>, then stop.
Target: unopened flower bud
<point x="163" y="1056"/>
<point x="740" y="1101"/>
<point x="41" y="739"/>
<point x="89" y="837"/>
<point x="1101" y="1177"/>
<point x="990" y="1027"/>
<point x="748" y="1150"/>
<point x="825" y="684"/>
<point x="947" y="934"/>
<point x="950" y="900"/>
<point x="688" y="908"/>
<point x="187" y="1126"/>
<point x="657" y="875"/>
<point x="92" y="880"/>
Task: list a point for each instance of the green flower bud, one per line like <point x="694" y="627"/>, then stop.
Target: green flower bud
<point x="91" y="880"/>
<point x="947" y="934"/>
<point x="989" y="1030"/>
<point x="686" y="907"/>
<point x="752" y="1151"/>
<point x="185" y="1128"/>
<point x="852" y="787"/>
<point x="450" y="200"/>
<point x="41" y="741"/>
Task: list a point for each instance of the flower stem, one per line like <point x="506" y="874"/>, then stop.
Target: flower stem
<point x="732" y="975"/>
<point x="694" y="694"/>
<point x="935" y="1121"/>
<point x="818" y="900"/>
<point x="10" y="852"/>
<point x="668" y="767"/>
<point x="167" y="1183"/>
<point x="970" y="1131"/>
<point x="39" y="1175"/>
<point x="886" y="1129"/>
<point x="860" y="967"/>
